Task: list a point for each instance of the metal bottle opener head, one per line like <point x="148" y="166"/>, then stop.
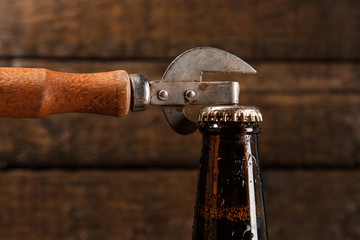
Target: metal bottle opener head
<point x="186" y="71"/>
<point x="182" y="85"/>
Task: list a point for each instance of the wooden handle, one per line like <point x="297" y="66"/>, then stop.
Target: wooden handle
<point x="37" y="92"/>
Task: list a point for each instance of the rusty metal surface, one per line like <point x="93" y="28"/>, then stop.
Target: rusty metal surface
<point x="203" y="93"/>
<point x="189" y="67"/>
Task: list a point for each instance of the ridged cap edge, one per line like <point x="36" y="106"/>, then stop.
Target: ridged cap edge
<point x="230" y="113"/>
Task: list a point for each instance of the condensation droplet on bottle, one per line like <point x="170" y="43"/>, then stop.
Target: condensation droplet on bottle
<point x="247" y="231"/>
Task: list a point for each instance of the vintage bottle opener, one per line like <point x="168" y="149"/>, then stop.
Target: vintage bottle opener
<point x="33" y="93"/>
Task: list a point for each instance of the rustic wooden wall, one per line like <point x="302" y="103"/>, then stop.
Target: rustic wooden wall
<point x="308" y="83"/>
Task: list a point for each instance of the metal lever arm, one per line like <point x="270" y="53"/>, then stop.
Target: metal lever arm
<point x="33" y="93"/>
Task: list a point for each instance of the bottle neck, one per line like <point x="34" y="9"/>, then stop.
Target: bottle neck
<point x="229" y="202"/>
<point x="229" y="138"/>
<point x="233" y="128"/>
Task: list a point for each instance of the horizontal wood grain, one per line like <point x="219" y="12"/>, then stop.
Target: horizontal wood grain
<point x="310" y="114"/>
<point x="312" y="204"/>
<point x="96" y="205"/>
<point x="276" y="29"/>
<point x="4" y="62"/>
<point x="157" y="204"/>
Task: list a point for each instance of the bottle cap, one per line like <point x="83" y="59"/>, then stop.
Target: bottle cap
<point x="230" y="113"/>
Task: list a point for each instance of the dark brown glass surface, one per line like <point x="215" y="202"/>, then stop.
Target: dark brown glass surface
<point x="229" y="202"/>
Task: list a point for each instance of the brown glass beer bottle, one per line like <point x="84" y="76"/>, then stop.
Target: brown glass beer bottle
<point x="229" y="202"/>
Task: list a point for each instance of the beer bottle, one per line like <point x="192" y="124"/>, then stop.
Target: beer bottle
<point x="229" y="202"/>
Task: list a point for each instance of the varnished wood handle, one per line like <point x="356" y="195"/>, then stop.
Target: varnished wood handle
<point x="37" y="92"/>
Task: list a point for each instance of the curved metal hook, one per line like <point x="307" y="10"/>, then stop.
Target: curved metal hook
<point x="189" y="67"/>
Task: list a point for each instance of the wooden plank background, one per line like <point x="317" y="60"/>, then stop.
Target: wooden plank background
<point x="277" y="29"/>
<point x="158" y="204"/>
<point x="75" y="176"/>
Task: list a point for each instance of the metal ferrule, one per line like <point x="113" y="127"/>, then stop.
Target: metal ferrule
<point x="140" y="92"/>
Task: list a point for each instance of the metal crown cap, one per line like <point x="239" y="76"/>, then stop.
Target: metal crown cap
<point x="230" y="113"/>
